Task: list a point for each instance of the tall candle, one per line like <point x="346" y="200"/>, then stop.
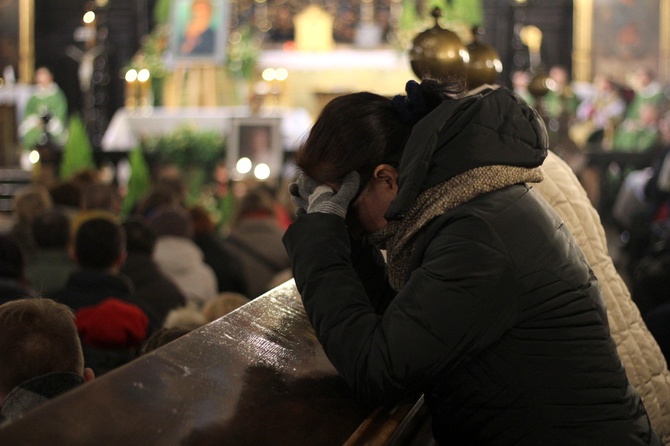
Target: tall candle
<point x="131" y="88"/>
<point x="144" y="78"/>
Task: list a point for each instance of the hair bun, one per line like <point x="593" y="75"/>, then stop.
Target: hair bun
<point x="412" y="107"/>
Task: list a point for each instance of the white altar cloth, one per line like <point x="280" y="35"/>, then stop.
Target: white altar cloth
<point x="127" y="127"/>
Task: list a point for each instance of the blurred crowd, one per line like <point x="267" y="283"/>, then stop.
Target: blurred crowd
<point x="137" y="280"/>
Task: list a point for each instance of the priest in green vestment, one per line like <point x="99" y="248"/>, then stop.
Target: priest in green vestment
<point x="45" y="116"/>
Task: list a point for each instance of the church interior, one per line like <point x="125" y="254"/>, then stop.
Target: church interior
<point x="113" y="102"/>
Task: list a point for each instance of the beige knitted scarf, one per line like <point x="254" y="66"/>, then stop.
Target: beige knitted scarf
<point x="399" y="237"/>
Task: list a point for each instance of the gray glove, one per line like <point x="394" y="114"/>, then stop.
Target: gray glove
<point x="310" y="196"/>
<point x="302" y="187"/>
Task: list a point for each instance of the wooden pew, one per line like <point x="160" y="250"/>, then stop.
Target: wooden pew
<point x="257" y="376"/>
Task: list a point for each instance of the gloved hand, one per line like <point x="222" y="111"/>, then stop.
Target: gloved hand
<point x="304" y="182"/>
<point x="310" y="196"/>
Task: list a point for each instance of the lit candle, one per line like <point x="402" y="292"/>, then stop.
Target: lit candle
<point x="144" y="78"/>
<point x="131" y="88"/>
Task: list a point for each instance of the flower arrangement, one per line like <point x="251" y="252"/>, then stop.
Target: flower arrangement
<point x="186" y="147"/>
<point x="244" y="47"/>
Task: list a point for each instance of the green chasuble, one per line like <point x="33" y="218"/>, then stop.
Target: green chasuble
<point x="49" y="101"/>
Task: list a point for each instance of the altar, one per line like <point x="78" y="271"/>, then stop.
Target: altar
<point x="129" y="126"/>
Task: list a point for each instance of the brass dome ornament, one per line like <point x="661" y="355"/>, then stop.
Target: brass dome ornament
<point x="539" y="85"/>
<point x="438" y="52"/>
<point x="531" y="36"/>
<point x="484" y="65"/>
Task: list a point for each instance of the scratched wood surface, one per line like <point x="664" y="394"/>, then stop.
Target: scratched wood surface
<point x="257" y="376"/>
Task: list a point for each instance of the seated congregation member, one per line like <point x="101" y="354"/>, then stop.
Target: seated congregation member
<point x="191" y="317"/>
<point x="13" y="284"/>
<point x="255" y="238"/>
<point x="68" y="194"/>
<point x="658" y="321"/>
<point x="223" y="304"/>
<point x="100" y="196"/>
<point x="229" y="274"/>
<point x="282" y="211"/>
<point x="160" y="196"/>
<point x="112" y="333"/>
<point x="179" y="258"/>
<point x="485" y="303"/>
<point x="99" y="250"/>
<point x="111" y="321"/>
<point x="168" y="189"/>
<point x="28" y="202"/>
<point x="152" y="286"/>
<point x="51" y="265"/>
<point x="161" y="337"/>
<point x="187" y="318"/>
<point x="40" y="355"/>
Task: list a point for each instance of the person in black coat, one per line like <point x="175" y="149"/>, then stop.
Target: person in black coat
<point x="226" y="265"/>
<point x="13" y="284"/>
<point x="151" y="286"/>
<point x="111" y="321"/>
<point x="484" y="302"/>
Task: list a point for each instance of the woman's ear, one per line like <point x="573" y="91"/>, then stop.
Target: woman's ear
<point x="388" y="174"/>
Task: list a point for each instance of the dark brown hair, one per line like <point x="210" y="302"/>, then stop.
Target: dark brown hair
<point x="99" y="242"/>
<point x="202" y="221"/>
<point x="257" y="201"/>
<point x="359" y="131"/>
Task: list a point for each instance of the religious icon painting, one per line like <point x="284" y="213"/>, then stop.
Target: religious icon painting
<point x="199" y="31"/>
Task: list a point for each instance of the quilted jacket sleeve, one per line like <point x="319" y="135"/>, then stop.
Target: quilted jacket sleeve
<point x="443" y="314"/>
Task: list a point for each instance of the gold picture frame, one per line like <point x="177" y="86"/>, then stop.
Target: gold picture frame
<point x="26" y="40"/>
<point x="17" y="21"/>
<point x="614" y="37"/>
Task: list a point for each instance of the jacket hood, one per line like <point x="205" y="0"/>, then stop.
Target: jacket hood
<point x="177" y="255"/>
<point x="494" y="127"/>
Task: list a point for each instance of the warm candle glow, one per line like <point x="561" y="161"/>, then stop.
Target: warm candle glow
<point x="34" y="157"/>
<point x="89" y="17"/>
<point x="269" y="74"/>
<point x="131" y="75"/>
<point x="281" y="74"/>
<point x="243" y="165"/>
<point x="262" y="171"/>
<point x="143" y="75"/>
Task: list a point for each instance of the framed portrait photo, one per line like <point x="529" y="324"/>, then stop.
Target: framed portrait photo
<point x="255" y="147"/>
<point x="199" y="31"/>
